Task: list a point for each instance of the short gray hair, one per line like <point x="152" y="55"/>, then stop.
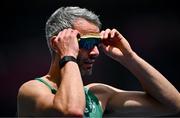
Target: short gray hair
<point x="64" y="17"/>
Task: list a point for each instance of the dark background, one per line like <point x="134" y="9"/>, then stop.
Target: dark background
<point x="151" y="27"/>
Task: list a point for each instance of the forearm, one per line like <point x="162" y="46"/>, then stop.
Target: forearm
<point x="70" y="95"/>
<point x="153" y="82"/>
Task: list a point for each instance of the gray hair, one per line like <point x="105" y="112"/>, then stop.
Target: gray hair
<point x="64" y="17"/>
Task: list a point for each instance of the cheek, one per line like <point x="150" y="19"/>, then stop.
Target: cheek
<point x="83" y="54"/>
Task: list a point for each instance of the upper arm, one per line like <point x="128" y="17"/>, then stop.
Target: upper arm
<point x="135" y="103"/>
<point x="35" y="100"/>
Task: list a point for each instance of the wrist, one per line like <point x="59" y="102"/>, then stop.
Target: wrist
<point x="69" y="54"/>
<point x="66" y="59"/>
<point x="128" y="58"/>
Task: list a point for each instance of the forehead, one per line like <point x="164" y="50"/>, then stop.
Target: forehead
<point x="85" y="27"/>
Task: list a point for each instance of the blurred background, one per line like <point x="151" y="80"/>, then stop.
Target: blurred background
<point x="152" y="28"/>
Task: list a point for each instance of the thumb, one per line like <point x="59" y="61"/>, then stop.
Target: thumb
<point x="104" y="47"/>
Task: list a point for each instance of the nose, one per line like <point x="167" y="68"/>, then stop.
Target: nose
<point x="94" y="52"/>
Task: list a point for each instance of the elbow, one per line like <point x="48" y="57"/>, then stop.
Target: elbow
<point x="177" y="109"/>
<point x="69" y="110"/>
<point x="174" y="109"/>
<point x="177" y="106"/>
<point x="78" y="112"/>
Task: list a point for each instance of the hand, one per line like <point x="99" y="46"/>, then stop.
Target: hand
<point x="66" y="43"/>
<point x="115" y="45"/>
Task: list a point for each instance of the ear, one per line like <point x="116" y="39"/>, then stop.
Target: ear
<point x="52" y="43"/>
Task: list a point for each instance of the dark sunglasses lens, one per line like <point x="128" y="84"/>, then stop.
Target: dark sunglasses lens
<point x="89" y="43"/>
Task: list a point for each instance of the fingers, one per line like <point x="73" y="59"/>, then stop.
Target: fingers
<point x="106" y="34"/>
<point x="66" y="41"/>
<point x="66" y="33"/>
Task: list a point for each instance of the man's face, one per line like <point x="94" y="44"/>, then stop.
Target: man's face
<point x="86" y="57"/>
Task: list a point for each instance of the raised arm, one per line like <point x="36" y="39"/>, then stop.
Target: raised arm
<point x="35" y="99"/>
<point x="70" y="96"/>
<point x="153" y="82"/>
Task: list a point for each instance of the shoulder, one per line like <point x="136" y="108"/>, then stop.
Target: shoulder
<point x="26" y="87"/>
<point x="32" y="89"/>
<point x="31" y="86"/>
<point x="103" y="88"/>
<point x="103" y="92"/>
<point x="35" y="99"/>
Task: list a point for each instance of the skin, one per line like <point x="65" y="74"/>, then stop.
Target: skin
<point x="159" y="97"/>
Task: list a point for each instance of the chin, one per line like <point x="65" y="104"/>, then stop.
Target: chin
<point x="86" y="72"/>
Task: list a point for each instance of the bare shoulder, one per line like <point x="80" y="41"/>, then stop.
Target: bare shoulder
<point x="32" y="88"/>
<point x="103" y="88"/>
<point x="103" y="92"/>
<point x="33" y="96"/>
<point x="30" y="92"/>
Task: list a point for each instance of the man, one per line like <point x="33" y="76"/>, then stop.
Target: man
<point x="73" y="36"/>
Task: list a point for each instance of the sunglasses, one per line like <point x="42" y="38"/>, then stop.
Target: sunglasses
<point x="89" y="41"/>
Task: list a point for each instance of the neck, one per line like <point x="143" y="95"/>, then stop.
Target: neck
<point x="53" y="74"/>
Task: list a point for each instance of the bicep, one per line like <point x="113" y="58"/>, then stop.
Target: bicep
<point x="134" y="103"/>
<point x="44" y="106"/>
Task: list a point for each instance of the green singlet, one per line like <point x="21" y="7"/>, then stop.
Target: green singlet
<point x="93" y="108"/>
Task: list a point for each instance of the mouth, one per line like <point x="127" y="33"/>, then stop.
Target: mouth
<point x="89" y="64"/>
